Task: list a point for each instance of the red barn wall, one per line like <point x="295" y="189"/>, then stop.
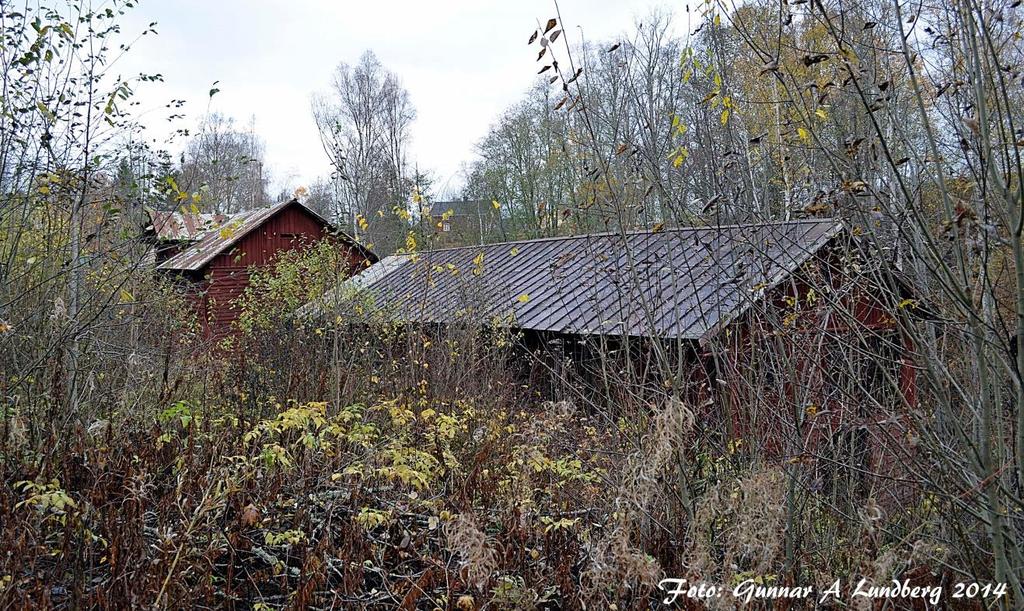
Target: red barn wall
<point x="766" y="420"/>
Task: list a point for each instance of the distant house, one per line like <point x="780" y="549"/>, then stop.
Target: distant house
<point x="714" y="297"/>
<point x="213" y="256"/>
<point x="462" y="222"/>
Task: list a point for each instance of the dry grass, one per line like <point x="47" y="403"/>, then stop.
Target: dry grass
<point x="413" y="470"/>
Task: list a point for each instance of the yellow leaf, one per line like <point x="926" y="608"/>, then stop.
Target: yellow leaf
<point x="495" y="204"/>
<point x="803" y="134"/>
<point x="524" y="298"/>
<point x="718" y="20"/>
<point x="725" y="116"/>
<point x="821" y="113"/>
<point x="513" y="252"/>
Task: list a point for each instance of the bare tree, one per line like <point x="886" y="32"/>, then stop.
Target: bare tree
<point x="364" y="121"/>
<point x="226" y="165"/>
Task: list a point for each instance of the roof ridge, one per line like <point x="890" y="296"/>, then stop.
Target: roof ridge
<point x="258" y="216"/>
<point x="692" y="289"/>
<point x="579" y="236"/>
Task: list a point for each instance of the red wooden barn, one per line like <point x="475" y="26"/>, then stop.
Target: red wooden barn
<point x="214" y="256"/>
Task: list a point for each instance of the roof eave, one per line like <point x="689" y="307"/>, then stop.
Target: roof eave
<point x="787" y="270"/>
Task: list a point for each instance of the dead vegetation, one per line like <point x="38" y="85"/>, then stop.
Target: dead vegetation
<point x="350" y="461"/>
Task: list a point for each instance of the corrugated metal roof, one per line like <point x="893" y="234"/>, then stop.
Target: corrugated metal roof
<point x="176" y="226"/>
<point x="219" y="239"/>
<point x="683" y="283"/>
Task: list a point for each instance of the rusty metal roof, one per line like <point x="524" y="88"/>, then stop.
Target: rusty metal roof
<point x="684" y="283"/>
<point x="177" y="226"/>
<point x="220" y="238"/>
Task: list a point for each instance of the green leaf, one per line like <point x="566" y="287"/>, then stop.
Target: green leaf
<point x="46" y="112"/>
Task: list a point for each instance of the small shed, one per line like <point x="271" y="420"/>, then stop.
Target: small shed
<point x="213" y="257"/>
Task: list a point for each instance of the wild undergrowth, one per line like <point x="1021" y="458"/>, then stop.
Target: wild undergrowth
<point x="346" y="460"/>
<point x="353" y="462"/>
<point x="403" y="498"/>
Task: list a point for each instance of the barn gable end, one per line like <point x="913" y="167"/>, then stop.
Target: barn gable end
<point x="217" y="269"/>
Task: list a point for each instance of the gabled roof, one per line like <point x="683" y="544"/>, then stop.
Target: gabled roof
<point x="177" y="226"/>
<point x="219" y="239"/>
<point x="684" y="283"/>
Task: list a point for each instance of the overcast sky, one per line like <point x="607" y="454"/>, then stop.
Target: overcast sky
<point x="463" y="62"/>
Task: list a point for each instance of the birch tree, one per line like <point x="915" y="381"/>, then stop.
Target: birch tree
<point x="364" y="121"/>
